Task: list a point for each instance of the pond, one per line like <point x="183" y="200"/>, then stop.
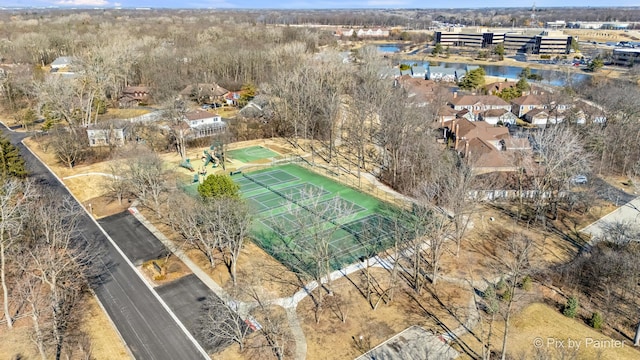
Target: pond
<point x="551" y="77"/>
<point x="388" y="48"/>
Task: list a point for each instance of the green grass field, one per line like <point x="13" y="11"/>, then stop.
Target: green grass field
<point x="295" y="207"/>
<point x="250" y="154"/>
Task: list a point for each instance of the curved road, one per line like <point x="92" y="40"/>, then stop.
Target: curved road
<point x="143" y="320"/>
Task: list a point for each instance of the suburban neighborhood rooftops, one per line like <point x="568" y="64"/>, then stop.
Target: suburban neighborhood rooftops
<point x="527" y="100"/>
<point x="467" y="100"/>
<point x="464" y="128"/>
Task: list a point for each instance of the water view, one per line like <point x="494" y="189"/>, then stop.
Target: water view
<point x="551" y="77"/>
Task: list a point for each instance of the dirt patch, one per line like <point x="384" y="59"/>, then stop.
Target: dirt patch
<point x="104" y="206"/>
<point x="164" y="270"/>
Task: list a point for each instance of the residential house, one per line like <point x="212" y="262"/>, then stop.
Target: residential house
<point x="496" y="87"/>
<point x="61" y="62"/>
<point x="232" y="98"/>
<point x="542" y="116"/>
<point x="135" y="95"/>
<point x="520" y="106"/>
<point x="495" y="116"/>
<point x="463" y="129"/>
<point x="483" y="157"/>
<point x="204" y="93"/>
<point x="203" y="123"/>
<point x="587" y="111"/>
<point x="422" y="92"/>
<point x="446" y="113"/>
<point x="106" y="136"/>
<point x="478" y="104"/>
<point x="255" y="108"/>
<point x="441" y="73"/>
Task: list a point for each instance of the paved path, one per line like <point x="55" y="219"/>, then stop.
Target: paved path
<point x="142" y="319"/>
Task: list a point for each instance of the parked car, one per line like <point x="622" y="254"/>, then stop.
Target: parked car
<point x="206" y="106"/>
<point x="579" y="180"/>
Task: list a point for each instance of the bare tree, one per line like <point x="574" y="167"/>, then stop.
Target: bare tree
<point x="561" y="156"/>
<point x="14" y="194"/>
<point x="69" y="145"/>
<point x="516" y="261"/>
<point x="59" y="260"/>
<point x="221" y="324"/>
<point x="191" y="219"/>
<point x="304" y="239"/>
<point x="232" y="219"/>
<point x="146" y="177"/>
<point x="117" y="185"/>
<point x="176" y="111"/>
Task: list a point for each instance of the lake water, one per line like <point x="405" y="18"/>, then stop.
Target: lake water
<point x="388" y="48"/>
<point x="551" y="77"/>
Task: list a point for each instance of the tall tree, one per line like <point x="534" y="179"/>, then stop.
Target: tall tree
<point x="11" y="163"/>
<point x="59" y="259"/>
<point x="146" y="175"/>
<point x="14" y="195"/>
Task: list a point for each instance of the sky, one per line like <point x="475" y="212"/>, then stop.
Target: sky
<point x="314" y="4"/>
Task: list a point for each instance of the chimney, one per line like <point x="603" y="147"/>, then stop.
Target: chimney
<point x="455" y="94"/>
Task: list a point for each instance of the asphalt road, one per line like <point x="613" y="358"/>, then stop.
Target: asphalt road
<point x="145" y="324"/>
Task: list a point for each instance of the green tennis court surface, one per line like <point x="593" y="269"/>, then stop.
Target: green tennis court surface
<point x="298" y="210"/>
<point x="250" y="154"/>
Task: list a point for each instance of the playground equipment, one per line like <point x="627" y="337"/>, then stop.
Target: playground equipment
<point x="186" y="163"/>
<point x="218" y="153"/>
<point x="207" y="158"/>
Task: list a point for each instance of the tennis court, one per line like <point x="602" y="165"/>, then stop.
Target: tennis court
<point x="295" y="207"/>
<point x="251" y="154"/>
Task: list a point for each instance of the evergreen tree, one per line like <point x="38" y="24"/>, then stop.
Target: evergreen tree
<point x="473" y="80"/>
<point x="11" y="163"/>
<point x="217" y="186"/>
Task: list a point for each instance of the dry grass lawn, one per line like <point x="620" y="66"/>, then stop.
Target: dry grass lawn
<point x="122" y="113"/>
<point x="376" y="326"/>
<point x="543" y="325"/>
<point x="105" y="342"/>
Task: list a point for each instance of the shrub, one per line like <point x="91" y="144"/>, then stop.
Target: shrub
<point x="527" y="283"/>
<point x="501" y="285"/>
<point x="571" y="308"/>
<point x="596" y="321"/>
